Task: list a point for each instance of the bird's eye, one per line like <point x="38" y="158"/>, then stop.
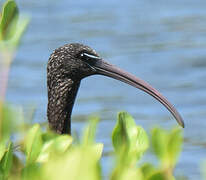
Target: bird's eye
<point x="86" y="56"/>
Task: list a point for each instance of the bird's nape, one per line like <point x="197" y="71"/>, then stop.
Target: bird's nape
<point x="73" y="62"/>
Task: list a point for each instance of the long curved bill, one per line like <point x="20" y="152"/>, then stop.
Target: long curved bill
<point x="104" y="68"/>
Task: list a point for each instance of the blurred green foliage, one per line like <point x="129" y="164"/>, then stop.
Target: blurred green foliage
<point x="47" y="155"/>
<point x="12" y="25"/>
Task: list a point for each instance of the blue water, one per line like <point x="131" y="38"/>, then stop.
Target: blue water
<point x="162" y="42"/>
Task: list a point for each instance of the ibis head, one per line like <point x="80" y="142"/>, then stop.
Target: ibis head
<point x="67" y="66"/>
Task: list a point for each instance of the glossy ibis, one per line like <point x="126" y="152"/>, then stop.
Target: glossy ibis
<point x="67" y="66"/>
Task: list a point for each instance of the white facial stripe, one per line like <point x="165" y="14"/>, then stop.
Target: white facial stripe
<point x="91" y="56"/>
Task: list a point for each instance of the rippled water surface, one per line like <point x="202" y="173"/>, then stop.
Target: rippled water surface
<point x="162" y="42"/>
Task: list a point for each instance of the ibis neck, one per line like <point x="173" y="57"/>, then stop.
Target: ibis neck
<point x="61" y="97"/>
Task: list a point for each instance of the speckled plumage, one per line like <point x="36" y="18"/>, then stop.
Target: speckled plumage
<point x="64" y="73"/>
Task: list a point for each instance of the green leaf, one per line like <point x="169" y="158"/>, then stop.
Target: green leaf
<point x="80" y="162"/>
<point x="31" y="171"/>
<point x="142" y="142"/>
<point x="19" y="30"/>
<point x="129" y="173"/>
<point x="159" y="143"/>
<point x="33" y="144"/>
<point x="147" y="170"/>
<point x="6" y="161"/>
<point x="12" y="27"/>
<point x="8" y="19"/>
<point x="45" y="152"/>
<point x="49" y="135"/>
<point x="6" y="123"/>
<point x="98" y="149"/>
<point x="62" y="143"/>
<point x="10" y="117"/>
<point x="158" y="175"/>
<point x="55" y="146"/>
<point x="2" y="149"/>
<point x="124" y="131"/>
<point x="174" y="145"/>
<point x="90" y="131"/>
<point x="129" y="136"/>
<point x="167" y="146"/>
